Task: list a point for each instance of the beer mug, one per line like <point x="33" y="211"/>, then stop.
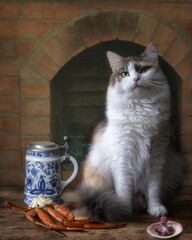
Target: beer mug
<point x="43" y="171"/>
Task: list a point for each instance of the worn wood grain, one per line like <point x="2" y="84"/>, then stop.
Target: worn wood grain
<point x="14" y="225"/>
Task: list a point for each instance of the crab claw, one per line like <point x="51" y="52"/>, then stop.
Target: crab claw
<point x="60" y="218"/>
<point x="46" y="219"/>
<point x="15" y="207"/>
<point x="64" y="212"/>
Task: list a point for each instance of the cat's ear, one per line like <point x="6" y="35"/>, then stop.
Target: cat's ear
<point x="115" y="60"/>
<point x="151" y="53"/>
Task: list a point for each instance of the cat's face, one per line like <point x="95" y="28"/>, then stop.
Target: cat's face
<point x="136" y="76"/>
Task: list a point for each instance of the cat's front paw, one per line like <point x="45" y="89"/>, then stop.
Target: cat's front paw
<point x="157" y="210"/>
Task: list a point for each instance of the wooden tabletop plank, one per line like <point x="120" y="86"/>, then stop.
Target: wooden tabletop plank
<point x="14" y="225"/>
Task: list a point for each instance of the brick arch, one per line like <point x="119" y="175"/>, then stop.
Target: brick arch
<point x="70" y="39"/>
<point x="85" y="32"/>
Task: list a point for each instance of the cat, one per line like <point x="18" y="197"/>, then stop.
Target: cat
<point x="131" y="165"/>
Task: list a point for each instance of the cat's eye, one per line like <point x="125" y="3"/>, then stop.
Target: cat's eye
<point x="144" y="69"/>
<point x="124" y="74"/>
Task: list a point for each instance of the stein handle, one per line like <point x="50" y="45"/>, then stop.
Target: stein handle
<point x="74" y="173"/>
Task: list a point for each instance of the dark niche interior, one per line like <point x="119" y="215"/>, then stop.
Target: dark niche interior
<point x="78" y="94"/>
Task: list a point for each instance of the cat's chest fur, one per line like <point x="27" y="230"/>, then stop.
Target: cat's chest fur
<point x="136" y="116"/>
<point x="131" y="130"/>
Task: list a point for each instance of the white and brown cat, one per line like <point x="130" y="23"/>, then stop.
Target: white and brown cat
<point x="131" y="164"/>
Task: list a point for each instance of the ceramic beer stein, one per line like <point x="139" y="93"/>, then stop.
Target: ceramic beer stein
<point x="43" y="171"/>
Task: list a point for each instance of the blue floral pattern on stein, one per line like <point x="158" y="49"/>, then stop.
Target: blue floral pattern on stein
<point x="54" y="153"/>
<point x="37" y="183"/>
<point x="43" y="171"/>
<point x="42" y="177"/>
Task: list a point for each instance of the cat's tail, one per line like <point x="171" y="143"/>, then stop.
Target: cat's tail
<point x="100" y="205"/>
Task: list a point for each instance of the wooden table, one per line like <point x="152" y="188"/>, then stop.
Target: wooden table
<point x="14" y="225"/>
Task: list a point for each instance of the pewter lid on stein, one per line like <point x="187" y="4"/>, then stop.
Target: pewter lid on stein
<point x="42" y="145"/>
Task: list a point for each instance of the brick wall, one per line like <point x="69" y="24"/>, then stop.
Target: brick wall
<point x="37" y="39"/>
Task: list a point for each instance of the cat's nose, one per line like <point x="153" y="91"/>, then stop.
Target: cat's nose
<point x="136" y="79"/>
